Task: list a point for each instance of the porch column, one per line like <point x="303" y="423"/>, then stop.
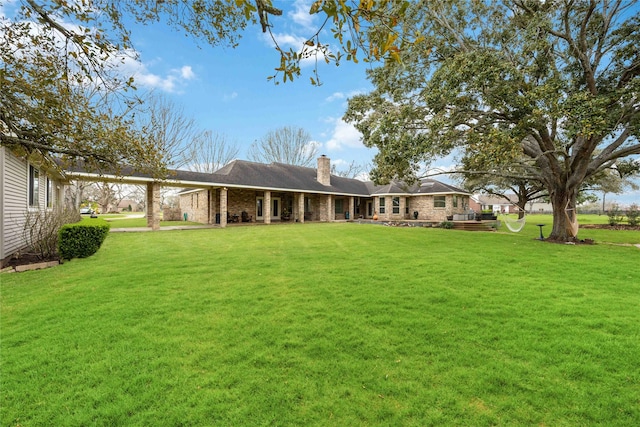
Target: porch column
<point x="331" y="214"/>
<point x="223" y="207"/>
<point x="153" y="205"/>
<point x="266" y="209"/>
<point x="212" y="206"/>
<point x="351" y="208"/>
<point x="301" y="207"/>
<point x="59" y="203"/>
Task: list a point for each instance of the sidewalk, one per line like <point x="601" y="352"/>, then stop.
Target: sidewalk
<point x="172" y="227"/>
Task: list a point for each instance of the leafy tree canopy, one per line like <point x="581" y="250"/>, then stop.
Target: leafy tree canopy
<point x="551" y="87"/>
<point x="61" y="92"/>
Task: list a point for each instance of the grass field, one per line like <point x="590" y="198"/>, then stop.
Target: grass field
<point x="327" y="324"/>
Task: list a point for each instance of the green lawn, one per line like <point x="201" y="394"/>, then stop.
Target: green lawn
<point x="326" y="324"/>
<point x="137" y="221"/>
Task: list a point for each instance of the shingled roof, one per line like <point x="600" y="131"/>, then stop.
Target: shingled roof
<point x="423" y="186"/>
<point x="275" y="176"/>
<point x="281" y="177"/>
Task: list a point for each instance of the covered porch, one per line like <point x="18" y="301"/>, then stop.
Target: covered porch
<point x="237" y="205"/>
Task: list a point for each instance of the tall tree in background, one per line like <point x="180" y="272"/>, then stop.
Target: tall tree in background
<point x="553" y="83"/>
<point x="353" y="170"/>
<point x="165" y="125"/>
<point x="61" y="91"/>
<point x="287" y="144"/>
<point x="210" y="151"/>
<point x="615" y="180"/>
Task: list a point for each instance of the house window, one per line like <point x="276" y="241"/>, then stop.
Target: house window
<point x="455" y="201"/>
<point x="259" y="212"/>
<point x="396" y="205"/>
<point x="439" y="202"/>
<point x="382" y="205"/>
<point x="339" y="206"/>
<point x="34" y="186"/>
<point x="49" y="193"/>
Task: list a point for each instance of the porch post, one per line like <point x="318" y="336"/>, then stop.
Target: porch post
<point x="223" y="207"/>
<point x="59" y="203"/>
<point x="153" y="205"/>
<point x="212" y="206"/>
<point x="351" y="208"/>
<point x="331" y="214"/>
<point x="301" y="207"/>
<point x="266" y="209"/>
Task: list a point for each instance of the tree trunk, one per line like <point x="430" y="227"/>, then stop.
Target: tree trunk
<point x="522" y="204"/>
<point x="561" y="200"/>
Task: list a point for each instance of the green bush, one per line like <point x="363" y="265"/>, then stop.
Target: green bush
<point x="448" y="225"/>
<point x="614" y="214"/>
<point x="633" y="215"/>
<point x="81" y="240"/>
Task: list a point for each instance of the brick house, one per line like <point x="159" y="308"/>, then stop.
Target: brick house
<point x="278" y="192"/>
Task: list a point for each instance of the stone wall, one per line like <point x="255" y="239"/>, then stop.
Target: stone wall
<point x="239" y="200"/>
<point x="388" y="214"/>
<point x="172" y="214"/>
<point x="424" y="205"/>
<point x="426" y="210"/>
<point x="196" y="206"/>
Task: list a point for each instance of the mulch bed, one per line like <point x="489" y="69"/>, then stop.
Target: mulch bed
<point x="612" y="227"/>
<point x="27" y="259"/>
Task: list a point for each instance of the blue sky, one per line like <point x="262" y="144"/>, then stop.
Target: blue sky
<point x="226" y="89"/>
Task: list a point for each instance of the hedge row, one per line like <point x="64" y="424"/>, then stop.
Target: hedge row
<point x="80" y="240"/>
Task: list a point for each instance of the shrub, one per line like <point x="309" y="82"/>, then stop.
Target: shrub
<point x="41" y="228"/>
<point x="633" y="215"/>
<point x="614" y="215"/>
<point x="82" y="240"/>
<point x="446" y="225"/>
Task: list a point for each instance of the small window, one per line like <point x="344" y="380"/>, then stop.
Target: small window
<point x="34" y="186"/>
<point x="49" y="193"/>
<point x="439" y="201"/>
<point x="382" y="205"/>
<point x="396" y="205"/>
<point x="339" y="206"/>
<point x="455" y="201"/>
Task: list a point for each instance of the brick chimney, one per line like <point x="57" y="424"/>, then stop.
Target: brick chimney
<point x="324" y="170"/>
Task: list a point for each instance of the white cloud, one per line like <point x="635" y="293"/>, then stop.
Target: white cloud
<point x="336" y="96"/>
<point x="285" y="40"/>
<point x="344" y="135"/>
<point x="172" y="81"/>
<point x="288" y="41"/>
<point x="300" y="13"/>
<point x="230" y="96"/>
<point x="187" y="73"/>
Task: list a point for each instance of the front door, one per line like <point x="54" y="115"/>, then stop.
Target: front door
<point x="275" y="208"/>
<point x="369" y="209"/>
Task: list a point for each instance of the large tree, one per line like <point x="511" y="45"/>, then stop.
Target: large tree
<point x="61" y="92"/>
<point x="288" y="144"/>
<point x="210" y="151"/>
<point x="555" y="83"/>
